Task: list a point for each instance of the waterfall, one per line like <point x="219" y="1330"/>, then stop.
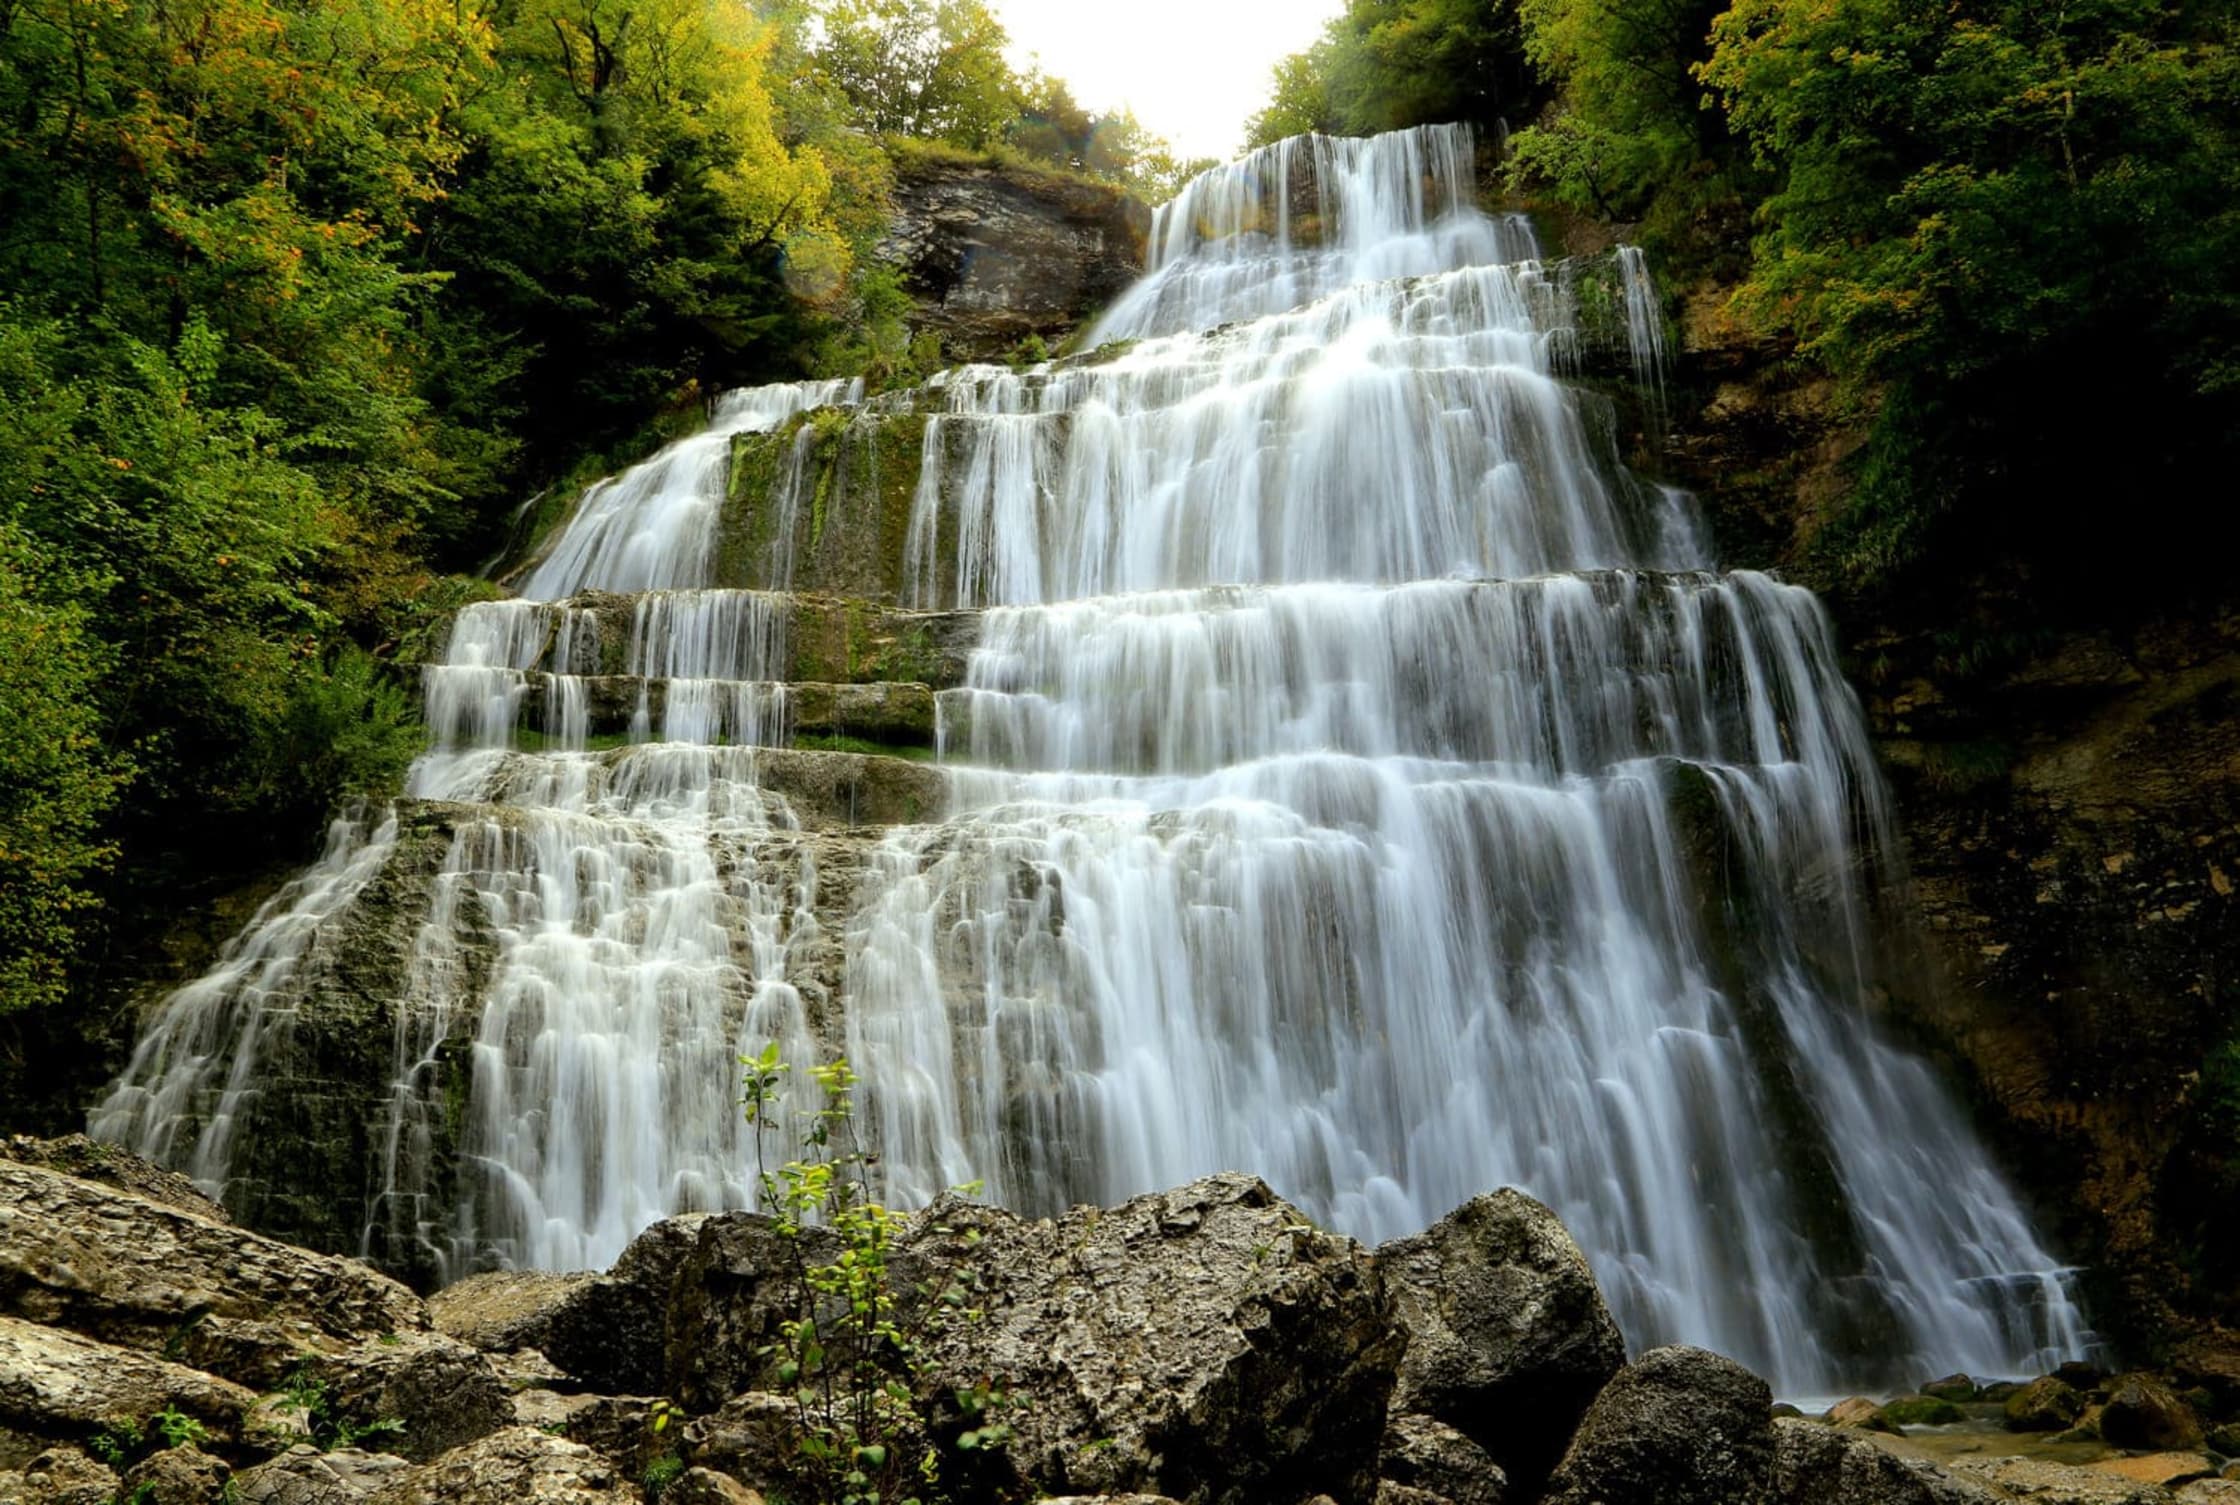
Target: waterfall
<point x="1360" y="778"/>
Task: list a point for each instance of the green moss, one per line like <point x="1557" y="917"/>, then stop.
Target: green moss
<point x="1921" y="1411"/>
<point x="527" y="739"/>
<point x="747" y="526"/>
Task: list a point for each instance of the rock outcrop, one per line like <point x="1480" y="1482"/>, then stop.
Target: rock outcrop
<point x="1678" y="1426"/>
<point x="1508" y="1336"/>
<point x="994" y="252"/>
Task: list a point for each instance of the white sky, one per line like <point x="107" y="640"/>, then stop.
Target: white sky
<point x="1192" y="70"/>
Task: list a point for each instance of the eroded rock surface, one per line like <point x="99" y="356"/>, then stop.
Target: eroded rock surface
<point x="1508" y="1339"/>
<point x="1678" y="1426"/>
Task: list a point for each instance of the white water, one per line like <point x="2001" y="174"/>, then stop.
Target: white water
<point x="1354" y="783"/>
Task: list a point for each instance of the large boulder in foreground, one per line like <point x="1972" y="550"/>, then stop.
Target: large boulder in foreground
<point x="60" y="1387"/>
<point x="159" y="1279"/>
<point x="109" y="1290"/>
<point x="1207" y="1343"/>
<point x="1678" y="1426"/>
<point x="1508" y="1339"/>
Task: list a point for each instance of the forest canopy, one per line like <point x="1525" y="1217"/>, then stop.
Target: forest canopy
<point x="2009" y="230"/>
<point x="300" y="298"/>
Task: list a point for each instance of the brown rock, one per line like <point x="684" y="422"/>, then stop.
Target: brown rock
<point x="2143" y="1412"/>
<point x="57" y="1384"/>
<point x="2166" y="1469"/>
<point x="701" y="1486"/>
<point x="93" y="1160"/>
<point x="304" y="1475"/>
<point x="2210" y="1492"/>
<point x="2043" y="1405"/>
<point x="177" y="1476"/>
<point x="143" y="1275"/>
<point x="443" y="1393"/>
<point x="1818" y="1465"/>
<point x="2044" y="1483"/>
<point x="1858" y="1414"/>
<point x="503" y="1311"/>
<point x="61" y="1476"/>
<point x="517" y="1466"/>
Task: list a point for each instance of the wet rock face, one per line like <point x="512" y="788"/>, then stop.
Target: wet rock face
<point x="1678" y="1426"/>
<point x="994" y="254"/>
<point x="1508" y="1336"/>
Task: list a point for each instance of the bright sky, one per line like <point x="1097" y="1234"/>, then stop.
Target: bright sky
<point x="1192" y="70"/>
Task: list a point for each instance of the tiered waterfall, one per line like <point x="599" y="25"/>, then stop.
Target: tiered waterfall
<point x="1356" y="776"/>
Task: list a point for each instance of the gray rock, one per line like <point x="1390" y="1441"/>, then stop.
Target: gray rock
<point x="2143" y="1412"/>
<point x="611" y="1332"/>
<point x="751" y="1438"/>
<point x="1508" y="1339"/>
<point x="1815" y="1464"/>
<point x="304" y="1475"/>
<point x="444" y="1393"/>
<point x="1207" y="1343"/>
<point x="143" y="1275"/>
<point x="993" y="253"/>
<point x="2044" y="1483"/>
<point x="518" y="1466"/>
<point x="1678" y="1426"/>
<point x="1422" y="1454"/>
<point x="61" y="1476"/>
<point x="176" y="1476"/>
<point x="58" y="1385"/>
<point x="503" y="1311"/>
<point x="2210" y="1492"/>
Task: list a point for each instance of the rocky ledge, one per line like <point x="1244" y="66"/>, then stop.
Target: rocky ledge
<point x="1207" y="1344"/>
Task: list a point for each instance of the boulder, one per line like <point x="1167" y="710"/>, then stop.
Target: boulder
<point x="1957" y="1388"/>
<point x="1678" y="1426"/>
<point x="177" y="1476"/>
<point x="2043" y="1405"/>
<point x="1817" y="1465"/>
<point x="1508" y="1339"/>
<point x="1422" y="1454"/>
<point x="611" y="1332"/>
<point x="2211" y="1363"/>
<point x="2210" y="1492"/>
<point x="751" y="1438"/>
<point x="2044" y="1483"/>
<point x="2225" y="1439"/>
<point x="1208" y="1343"/>
<point x="1858" y="1414"/>
<point x="518" y="1466"/>
<point x="304" y="1475"/>
<point x="61" y="1476"/>
<point x="503" y="1311"/>
<point x="2142" y="1412"/>
<point x="701" y="1486"/>
<point x="143" y="1275"/>
<point x="441" y="1393"/>
<point x="60" y="1386"/>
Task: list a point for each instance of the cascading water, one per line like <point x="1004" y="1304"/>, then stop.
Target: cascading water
<point x="1361" y="778"/>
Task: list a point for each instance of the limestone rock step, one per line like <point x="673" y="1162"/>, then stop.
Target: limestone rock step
<point x="897" y="714"/>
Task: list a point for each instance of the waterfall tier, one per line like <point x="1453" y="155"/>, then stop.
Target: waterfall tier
<point x="1348" y="771"/>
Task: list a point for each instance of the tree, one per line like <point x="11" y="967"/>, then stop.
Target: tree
<point x="930" y="68"/>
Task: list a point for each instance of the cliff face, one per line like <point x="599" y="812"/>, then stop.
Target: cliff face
<point x="995" y="253"/>
<point x="2069" y="793"/>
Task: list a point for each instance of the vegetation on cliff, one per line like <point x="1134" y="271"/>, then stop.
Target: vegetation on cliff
<point x="300" y="300"/>
<point x="2005" y="228"/>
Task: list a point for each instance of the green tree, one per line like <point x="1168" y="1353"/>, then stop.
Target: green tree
<point x="922" y="67"/>
<point x="2004" y="225"/>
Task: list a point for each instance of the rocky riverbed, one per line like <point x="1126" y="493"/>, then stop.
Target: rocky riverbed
<point x="1206" y="1344"/>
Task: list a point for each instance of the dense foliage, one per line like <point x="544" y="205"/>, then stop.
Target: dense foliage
<point x="300" y="298"/>
<point x="2007" y="228"/>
